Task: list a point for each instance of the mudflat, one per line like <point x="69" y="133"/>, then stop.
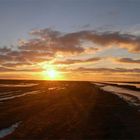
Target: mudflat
<point x="48" y="110"/>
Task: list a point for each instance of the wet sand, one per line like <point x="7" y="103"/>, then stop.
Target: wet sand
<point x="68" y="110"/>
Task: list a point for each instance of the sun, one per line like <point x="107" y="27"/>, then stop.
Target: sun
<point x="51" y="74"/>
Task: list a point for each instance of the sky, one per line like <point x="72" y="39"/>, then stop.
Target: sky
<point x="78" y="39"/>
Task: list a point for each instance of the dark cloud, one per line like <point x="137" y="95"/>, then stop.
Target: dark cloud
<point x="4" y="50"/>
<point x="107" y="70"/>
<point x="3" y="69"/>
<point x="4" y="58"/>
<point x="55" y="41"/>
<point x="52" y="41"/>
<point x="7" y="69"/>
<point x="16" y="64"/>
<point x="74" y="61"/>
<point x="127" y="60"/>
<point x="130" y="42"/>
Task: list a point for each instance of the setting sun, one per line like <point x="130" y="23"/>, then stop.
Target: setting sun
<point x="51" y="74"/>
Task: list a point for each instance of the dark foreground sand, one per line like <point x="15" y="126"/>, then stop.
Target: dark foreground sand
<point x="79" y="111"/>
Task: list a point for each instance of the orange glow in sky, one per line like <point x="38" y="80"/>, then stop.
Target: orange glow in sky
<point x="52" y="74"/>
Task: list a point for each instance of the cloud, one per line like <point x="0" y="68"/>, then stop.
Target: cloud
<point x="105" y="39"/>
<point x="45" y="44"/>
<point x="4" y="58"/>
<point x="6" y="69"/>
<point x="127" y="60"/>
<point x="75" y="61"/>
<point x="16" y="64"/>
<point x="107" y="70"/>
<point x="55" y="41"/>
<point x="3" y="69"/>
<point x="4" y="50"/>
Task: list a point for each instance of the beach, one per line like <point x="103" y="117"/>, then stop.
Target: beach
<point x="45" y="110"/>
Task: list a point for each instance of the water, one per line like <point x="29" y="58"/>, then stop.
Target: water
<point x="129" y="95"/>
